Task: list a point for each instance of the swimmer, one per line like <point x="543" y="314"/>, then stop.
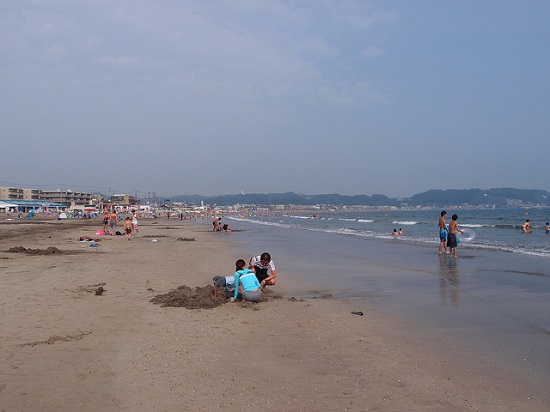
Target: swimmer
<point x="526" y="228"/>
<point x="547" y="230"/>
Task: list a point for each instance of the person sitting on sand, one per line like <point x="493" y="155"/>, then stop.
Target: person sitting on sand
<point x="227" y="228"/>
<point x="526" y="228"/>
<point x="128" y="227"/>
<point x="246" y="283"/>
<point x="261" y="264"/>
<point x="452" y="241"/>
<point x="223" y="282"/>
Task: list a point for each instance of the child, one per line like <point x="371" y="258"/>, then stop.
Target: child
<point x="452" y="241"/>
<point x="135" y="223"/>
<point x="225" y="282"/>
<point x="128" y="227"/>
<point x="246" y="281"/>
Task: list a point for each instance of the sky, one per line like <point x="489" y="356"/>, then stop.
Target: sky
<point x="221" y="97"/>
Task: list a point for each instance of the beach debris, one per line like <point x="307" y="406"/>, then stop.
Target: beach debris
<point x="357" y="313"/>
<point x="97" y="289"/>
<point x="186" y="239"/>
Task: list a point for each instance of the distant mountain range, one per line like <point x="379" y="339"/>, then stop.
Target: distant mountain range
<point x="500" y="197"/>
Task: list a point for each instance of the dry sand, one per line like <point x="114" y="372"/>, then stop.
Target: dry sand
<point x="68" y="345"/>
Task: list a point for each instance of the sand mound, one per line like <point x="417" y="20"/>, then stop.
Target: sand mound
<point x="184" y="296"/>
<point x="49" y="251"/>
<point x="201" y="298"/>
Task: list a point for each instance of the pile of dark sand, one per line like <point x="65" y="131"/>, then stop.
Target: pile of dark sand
<point x="49" y="251"/>
<point x="200" y="298"/>
<point x="184" y="296"/>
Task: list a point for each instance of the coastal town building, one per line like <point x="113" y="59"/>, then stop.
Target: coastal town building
<point x="123" y="200"/>
<point x="27" y="198"/>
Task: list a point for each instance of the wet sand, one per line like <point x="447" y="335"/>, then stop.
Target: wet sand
<point x="64" y="347"/>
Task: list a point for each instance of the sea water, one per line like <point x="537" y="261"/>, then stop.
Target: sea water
<point x="494" y="299"/>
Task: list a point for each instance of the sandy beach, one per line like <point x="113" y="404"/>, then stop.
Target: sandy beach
<point x="66" y="347"/>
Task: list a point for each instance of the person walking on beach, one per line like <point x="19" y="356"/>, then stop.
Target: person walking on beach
<point x="247" y="283"/>
<point x="135" y="223"/>
<point x="128" y="227"/>
<point x="442" y="232"/>
<point x="112" y="222"/>
<point x="452" y="241"/>
<point x="261" y="264"/>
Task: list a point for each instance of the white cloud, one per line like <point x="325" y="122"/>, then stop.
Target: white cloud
<point x="372" y="51"/>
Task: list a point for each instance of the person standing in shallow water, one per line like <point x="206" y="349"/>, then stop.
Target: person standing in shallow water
<point x="452" y="241"/>
<point x="442" y="232"/>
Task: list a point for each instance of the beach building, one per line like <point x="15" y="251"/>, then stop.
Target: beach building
<point x="11" y="193"/>
<point x="123" y="200"/>
<point x="32" y="194"/>
<point x="31" y="206"/>
<point x="69" y="197"/>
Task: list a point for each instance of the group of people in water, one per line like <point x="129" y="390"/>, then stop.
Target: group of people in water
<point x="249" y="281"/>
<point x="527" y="228"/>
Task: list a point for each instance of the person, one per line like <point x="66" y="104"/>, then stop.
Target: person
<point x="547" y="230"/>
<point x="442" y="232"/>
<point x="452" y="241"/>
<point x="395" y="233"/>
<point x="112" y="222"/>
<point x="400" y="231"/>
<point x="246" y="283"/>
<point x="227" y="228"/>
<point x="223" y="282"/>
<point x="261" y="265"/>
<point x="216" y="224"/>
<point x="526" y="228"/>
<point x="135" y="222"/>
<point x="128" y="227"/>
<point x="105" y="222"/>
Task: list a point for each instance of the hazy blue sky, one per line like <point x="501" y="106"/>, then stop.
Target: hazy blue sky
<point x="217" y="97"/>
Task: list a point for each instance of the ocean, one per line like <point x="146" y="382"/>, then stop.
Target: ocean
<point x="492" y="301"/>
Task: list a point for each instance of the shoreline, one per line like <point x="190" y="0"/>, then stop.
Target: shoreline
<point x="119" y="351"/>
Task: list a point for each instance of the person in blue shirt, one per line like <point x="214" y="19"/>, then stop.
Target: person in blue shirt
<point x="246" y="283"/>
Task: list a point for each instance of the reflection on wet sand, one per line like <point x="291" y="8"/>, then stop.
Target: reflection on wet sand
<point x="449" y="283"/>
